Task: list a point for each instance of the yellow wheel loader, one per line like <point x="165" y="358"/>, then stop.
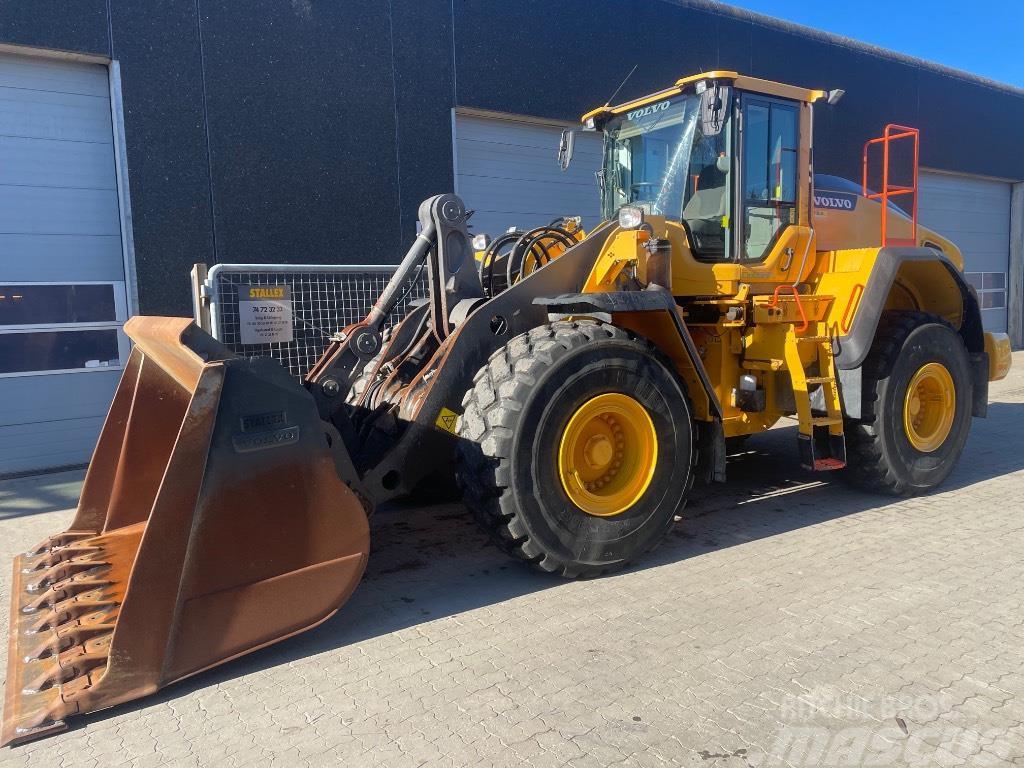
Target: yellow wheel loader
<point x="576" y="385"/>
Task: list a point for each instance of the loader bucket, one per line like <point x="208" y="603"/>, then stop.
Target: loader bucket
<point x="212" y="522"/>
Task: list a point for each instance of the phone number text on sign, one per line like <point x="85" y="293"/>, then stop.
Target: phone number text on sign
<point x="265" y="313"/>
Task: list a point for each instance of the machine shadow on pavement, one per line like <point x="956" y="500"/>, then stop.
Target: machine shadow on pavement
<point x="431" y="562"/>
<point x="35" y="494"/>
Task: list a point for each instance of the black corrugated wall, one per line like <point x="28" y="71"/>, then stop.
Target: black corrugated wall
<point x="308" y="130"/>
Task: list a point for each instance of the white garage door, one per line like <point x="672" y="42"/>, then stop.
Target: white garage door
<point x="506" y="170"/>
<point x="62" y="285"/>
<point x="975" y="214"/>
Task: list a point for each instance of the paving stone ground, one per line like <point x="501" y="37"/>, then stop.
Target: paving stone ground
<point x="787" y="621"/>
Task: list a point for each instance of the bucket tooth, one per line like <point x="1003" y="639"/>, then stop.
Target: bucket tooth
<point x="56" y="556"/>
<point x="59" y="592"/>
<point x="62" y="573"/>
<point x="92" y="637"/>
<point x="68" y="666"/>
<point x="58" y="541"/>
<point x="212" y="523"/>
<point x="87" y="608"/>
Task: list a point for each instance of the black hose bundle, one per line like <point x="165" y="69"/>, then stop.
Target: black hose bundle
<point x="535" y="244"/>
<point x="498" y="249"/>
<point x="513" y="255"/>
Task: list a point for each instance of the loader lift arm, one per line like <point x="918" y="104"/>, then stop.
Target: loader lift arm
<point x="404" y="439"/>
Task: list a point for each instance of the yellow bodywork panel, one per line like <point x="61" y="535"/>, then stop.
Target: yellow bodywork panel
<point x="621" y="258"/>
<point x="861" y="227"/>
<point x="833" y="285"/>
<point x="787" y="308"/>
<point x="920" y="285"/>
<point x="720" y="350"/>
<point x="791" y="259"/>
<point x="999" y="351"/>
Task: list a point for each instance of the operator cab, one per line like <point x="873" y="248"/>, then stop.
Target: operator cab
<point x="716" y="149"/>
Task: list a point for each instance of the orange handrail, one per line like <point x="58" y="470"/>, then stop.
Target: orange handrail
<point x="799" y="305"/>
<point x="893" y="132"/>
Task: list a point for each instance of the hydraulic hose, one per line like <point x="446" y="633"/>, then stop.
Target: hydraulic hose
<point x="491" y="255"/>
<point x="532" y="244"/>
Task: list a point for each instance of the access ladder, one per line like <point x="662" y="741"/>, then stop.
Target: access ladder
<point x="822" y="444"/>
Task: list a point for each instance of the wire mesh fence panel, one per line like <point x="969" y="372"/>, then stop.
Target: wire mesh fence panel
<point x="323" y="301"/>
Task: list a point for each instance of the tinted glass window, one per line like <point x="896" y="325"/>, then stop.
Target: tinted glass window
<point x="770" y="151"/>
<point x="995" y="280"/>
<point x="706" y="198"/>
<point x="646" y="154"/>
<point x="58" y="350"/>
<point x="48" y="304"/>
<point x="755" y="142"/>
<point x="783" y="153"/>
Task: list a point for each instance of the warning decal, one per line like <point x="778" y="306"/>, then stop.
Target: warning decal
<point x="447" y="420"/>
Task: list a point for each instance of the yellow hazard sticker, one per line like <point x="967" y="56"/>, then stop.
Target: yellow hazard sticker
<point x="447" y="420"/>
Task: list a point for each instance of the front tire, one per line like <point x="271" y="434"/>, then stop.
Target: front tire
<point x="916" y="409"/>
<point x="577" y="448"/>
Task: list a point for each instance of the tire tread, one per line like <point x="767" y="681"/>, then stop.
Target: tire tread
<point x="868" y="466"/>
<point x="490" y="409"/>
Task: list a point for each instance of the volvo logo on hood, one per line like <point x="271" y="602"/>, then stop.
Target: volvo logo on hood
<point x="839" y="200"/>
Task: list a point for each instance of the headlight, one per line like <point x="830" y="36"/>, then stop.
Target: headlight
<point x="630" y="217"/>
<point x="480" y="242"/>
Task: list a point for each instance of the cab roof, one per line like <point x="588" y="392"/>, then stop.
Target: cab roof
<point x="743" y="82"/>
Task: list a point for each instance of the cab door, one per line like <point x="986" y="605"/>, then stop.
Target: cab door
<point x="768" y="190"/>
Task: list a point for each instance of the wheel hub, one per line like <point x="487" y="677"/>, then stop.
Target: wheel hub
<point x="607" y="454"/>
<point x="929" y="407"/>
<point x="599" y="452"/>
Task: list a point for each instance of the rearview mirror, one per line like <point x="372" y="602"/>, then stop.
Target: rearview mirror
<point x="714" y="105"/>
<point x="565" y="147"/>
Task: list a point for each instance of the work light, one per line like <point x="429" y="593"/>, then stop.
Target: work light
<point x="630" y="217"/>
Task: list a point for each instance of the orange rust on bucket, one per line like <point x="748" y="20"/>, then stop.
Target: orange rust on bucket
<point x="212" y="523"/>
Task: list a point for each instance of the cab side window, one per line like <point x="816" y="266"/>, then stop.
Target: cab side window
<point x="770" y="147"/>
<point x="706" y="199"/>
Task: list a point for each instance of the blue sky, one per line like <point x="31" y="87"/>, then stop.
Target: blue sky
<point x="985" y="37"/>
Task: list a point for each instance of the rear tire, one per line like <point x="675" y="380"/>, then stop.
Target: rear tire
<point x="909" y="438"/>
<point x="516" y="426"/>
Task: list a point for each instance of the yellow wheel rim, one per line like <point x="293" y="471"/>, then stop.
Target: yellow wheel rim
<point x="607" y="454"/>
<point x="929" y="407"/>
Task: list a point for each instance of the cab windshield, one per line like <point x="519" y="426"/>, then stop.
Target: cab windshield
<point x="658" y="157"/>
